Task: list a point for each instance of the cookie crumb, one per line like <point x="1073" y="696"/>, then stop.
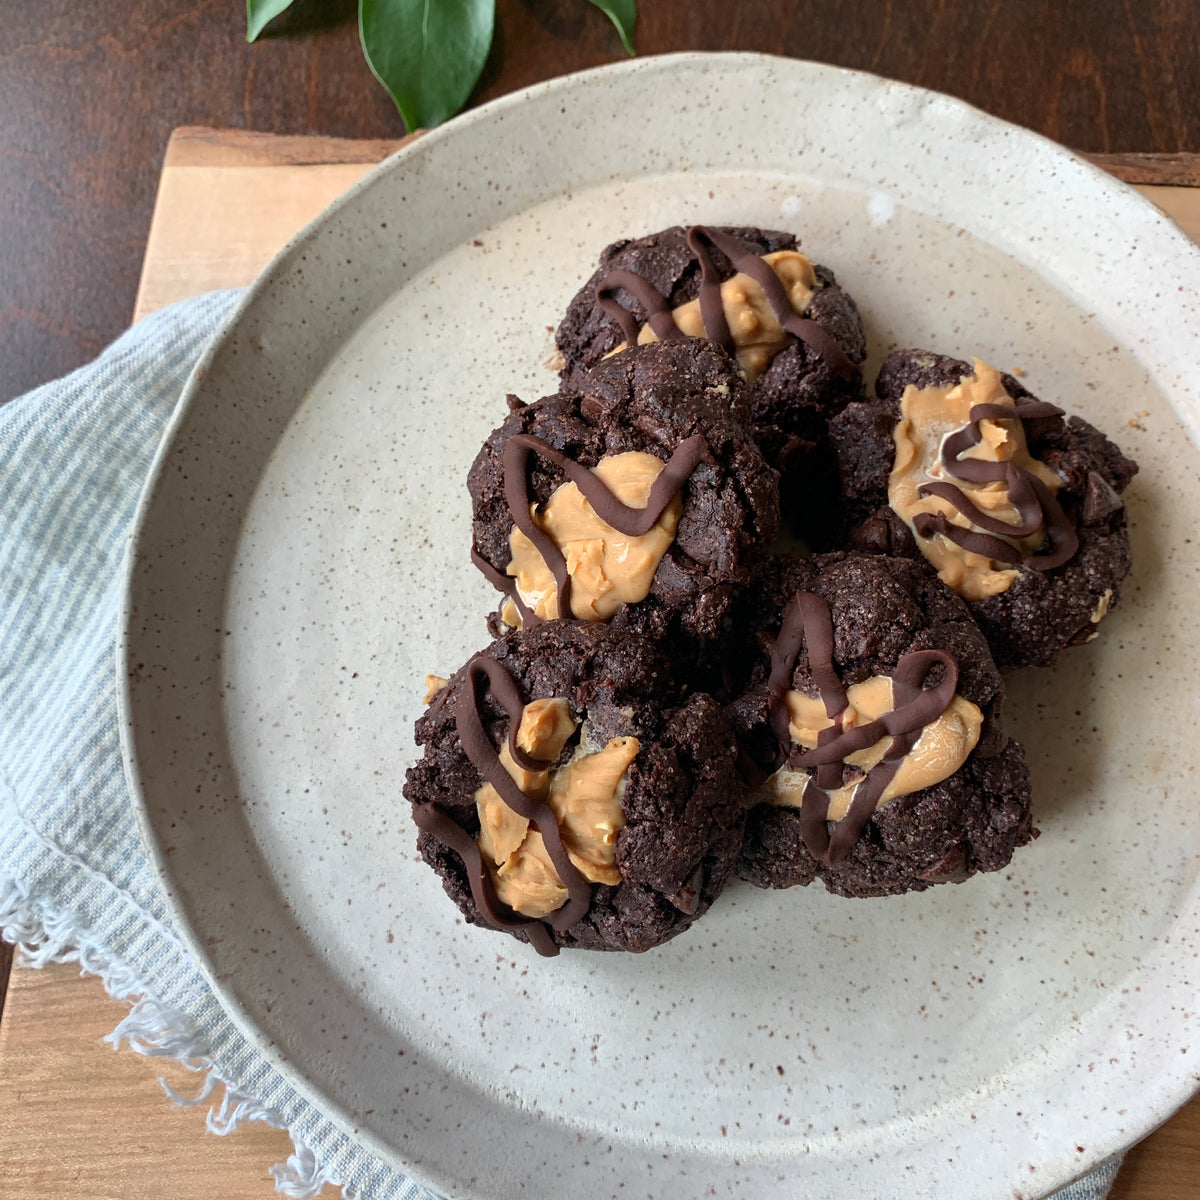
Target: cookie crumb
<point x="433" y="685"/>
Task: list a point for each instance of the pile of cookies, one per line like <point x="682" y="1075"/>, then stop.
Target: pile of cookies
<point x="753" y="621"/>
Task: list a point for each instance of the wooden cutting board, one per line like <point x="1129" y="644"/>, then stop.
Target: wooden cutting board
<point x="77" y="1119"/>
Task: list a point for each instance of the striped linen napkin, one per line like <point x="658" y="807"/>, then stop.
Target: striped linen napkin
<point x="75" y="883"/>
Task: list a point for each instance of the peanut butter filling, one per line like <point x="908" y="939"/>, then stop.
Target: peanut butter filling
<point x="941" y="749"/>
<point x="585" y="796"/>
<point x="510" y="614"/>
<point x="1102" y="606"/>
<point x="753" y="325"/>
<point x="607" y="568"/>
<point x="928" y="417"/>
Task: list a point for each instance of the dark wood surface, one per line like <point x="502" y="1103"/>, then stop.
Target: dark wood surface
<point x="90" y="90"/>
<point x="6" y="958"/>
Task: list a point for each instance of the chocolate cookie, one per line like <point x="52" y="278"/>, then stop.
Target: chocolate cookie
<point x="652" y="502"/>
<point x="796" y="334"/>
<point x="870" y="722"/>
<point x="572" y="795"/>
<point x="1016" y="506"/>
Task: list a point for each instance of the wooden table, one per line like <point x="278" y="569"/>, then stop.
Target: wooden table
<point x="90" y="90"/>
<point x="76" y="1118"/>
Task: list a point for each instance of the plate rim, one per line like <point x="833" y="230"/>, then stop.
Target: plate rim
<point x="311" y="1092"/>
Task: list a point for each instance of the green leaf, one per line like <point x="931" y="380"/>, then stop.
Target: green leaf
<point x="259" y="12"/>
<point x="427" y="53"/>
<point x="623" y="14"/>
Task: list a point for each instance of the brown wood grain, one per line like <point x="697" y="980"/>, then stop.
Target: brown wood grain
<point x="202" y="146"/>
<point x="1166" y="1165"/>
<point x="90" y="90"/>
<point x="230" y="199"/>
<point x="77" y="1119"/>
<point x="1180" y="170"/>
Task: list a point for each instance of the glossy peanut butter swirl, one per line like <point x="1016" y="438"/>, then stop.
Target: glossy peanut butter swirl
<point x="592" y="486"/>
<point x="744" y="337"/>
<point x="897" y="734"/>
<point x="547" y="831"/>
<point x="964" y="482"/>
<point x="606" y="568"/>
<point x="584" y="793"/>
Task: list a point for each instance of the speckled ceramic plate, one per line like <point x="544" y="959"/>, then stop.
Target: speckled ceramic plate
<point x="301" y="562"/>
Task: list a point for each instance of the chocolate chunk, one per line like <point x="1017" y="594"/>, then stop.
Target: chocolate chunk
<point x="1100" y="500"/>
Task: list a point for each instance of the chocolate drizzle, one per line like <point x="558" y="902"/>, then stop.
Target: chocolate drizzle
<point x="658" y="311"/>
<point x="971" y="540"/>
<point x="479" y="749"/>
<point x="808" y="622"/>
<point x="633" y="522"/>
<point x="701" y="240"/>
<point x="1036" y="504"/>
<point x="435" y="822"/>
